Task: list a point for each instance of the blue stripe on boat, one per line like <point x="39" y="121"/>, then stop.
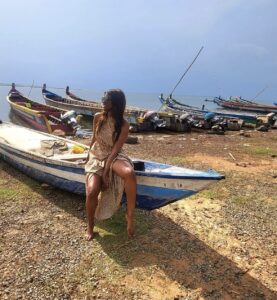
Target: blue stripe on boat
<point x="210" y="174"/>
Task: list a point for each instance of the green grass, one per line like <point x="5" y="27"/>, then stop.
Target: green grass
<point x="113" y="235"/>
<point x="7" y="193"/>
<point x="114" y="230"/>
<point x="215" y="193"/>
<point x="14" y="193"/>
<point x="262" y="151"/>
<point x="179" y="161"/>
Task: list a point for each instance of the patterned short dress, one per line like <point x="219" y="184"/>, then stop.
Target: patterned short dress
<point x="109" y="199"/>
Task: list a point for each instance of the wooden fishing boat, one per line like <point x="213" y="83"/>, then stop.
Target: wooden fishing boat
<point x="40" y="116"/>
<point x="158" y="184"/>
<point x="85" y="108"/>
<point x="81" y="106"/>
<point x="129" y="109"/>
<point x="178" y="108"/>
<point x="134" y="115"/>
<point x="243" y="106"/>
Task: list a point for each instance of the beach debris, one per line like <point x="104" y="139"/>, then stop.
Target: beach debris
<point x="83" y="133"/>
<point x="267" y="120"/>
<point x="216" y="129"/>
<point x="244" y="133"/>
<point x="232" y="156"/>
<point x="262" y="128"/>
<point x="131" y="140"/>
<point x="58" y="132"/>
<point x="274" y="126"/>
<point x="234" y="124"/>
<point x="243" y="164"/>
<point x="45" y="185"/>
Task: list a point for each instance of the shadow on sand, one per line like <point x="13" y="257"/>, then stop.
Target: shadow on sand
<point x="161" y="242"/>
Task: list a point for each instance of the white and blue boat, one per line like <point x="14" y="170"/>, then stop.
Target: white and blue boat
<point x="158" y="184"/>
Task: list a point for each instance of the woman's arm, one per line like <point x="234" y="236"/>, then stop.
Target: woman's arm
<point x="95" y="120"/>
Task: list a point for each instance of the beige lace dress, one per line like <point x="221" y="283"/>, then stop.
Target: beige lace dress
<point x="109" y="199"/>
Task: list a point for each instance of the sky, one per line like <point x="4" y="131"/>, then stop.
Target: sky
<point x="142" y="46"/>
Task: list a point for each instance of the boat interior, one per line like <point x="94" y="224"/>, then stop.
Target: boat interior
<point x="49" y="146"/>
<point x="54" y="97"/>
<point x="35" y="142"/>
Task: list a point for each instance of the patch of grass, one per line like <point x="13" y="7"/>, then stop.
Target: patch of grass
<point x="114" y="230"/>
<point x="262" y="151"/>
<point x="215" y="193"/>
<point x="179" y="161"/>
<point x="19" y="191"/>
<point x="6" y="193"/>
<point x="241" y="199"/>
<point x="113" y="235"/>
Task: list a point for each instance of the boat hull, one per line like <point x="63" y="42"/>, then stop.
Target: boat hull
<point x="200" y="113"/>
<point x="182" y="108"/>
<point x="157" y="184"/>
<point x="67" y="106"/>
<point x="34" y="120"/>
<point x="40" y="117"/>
<point x="242" y="105"/>
<point x="253" y="108"/>
<point x="148" y="197"/>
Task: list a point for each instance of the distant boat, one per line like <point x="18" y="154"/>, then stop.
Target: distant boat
<point x="81" y="106"/>
<point x="244" y="106"/>
<point x="129" y="109"/>
<point x="134" y="115"/>
<point x="85" y="108"/>
<point x="158" y="184"/>
<point x="40" y="116"/>
<point x="171" y="105"/>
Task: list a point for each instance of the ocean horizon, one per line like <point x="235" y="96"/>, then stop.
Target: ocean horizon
<point x="148" y="101"/>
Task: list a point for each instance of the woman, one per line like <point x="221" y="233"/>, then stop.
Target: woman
<point x="108" y="169"/>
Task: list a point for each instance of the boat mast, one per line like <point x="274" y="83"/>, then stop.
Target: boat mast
<point x="170" y="95"/>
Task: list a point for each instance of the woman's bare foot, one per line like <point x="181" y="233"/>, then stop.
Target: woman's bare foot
<point x="130" y="226"/>
<point x="90" y="235"/>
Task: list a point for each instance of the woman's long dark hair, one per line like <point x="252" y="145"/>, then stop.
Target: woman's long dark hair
<point x="118" y="100"/>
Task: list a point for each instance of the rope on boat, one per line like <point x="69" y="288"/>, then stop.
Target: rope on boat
<point x="260" y="92"/>
<point x="31" y="88"/>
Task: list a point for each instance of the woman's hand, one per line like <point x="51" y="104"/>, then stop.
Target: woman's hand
<point x="87" y="159"/>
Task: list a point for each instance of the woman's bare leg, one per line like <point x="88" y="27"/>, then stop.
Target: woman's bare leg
<point x="126" y="172"/>
<point x="93" y="186"/>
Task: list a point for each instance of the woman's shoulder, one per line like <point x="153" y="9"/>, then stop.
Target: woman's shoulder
<point x="98" y="115"/>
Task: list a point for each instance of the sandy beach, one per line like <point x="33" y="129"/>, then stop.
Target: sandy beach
<point x="218" y="244"/>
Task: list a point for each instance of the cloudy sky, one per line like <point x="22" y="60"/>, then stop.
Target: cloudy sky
<point x="142" y="45"/>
